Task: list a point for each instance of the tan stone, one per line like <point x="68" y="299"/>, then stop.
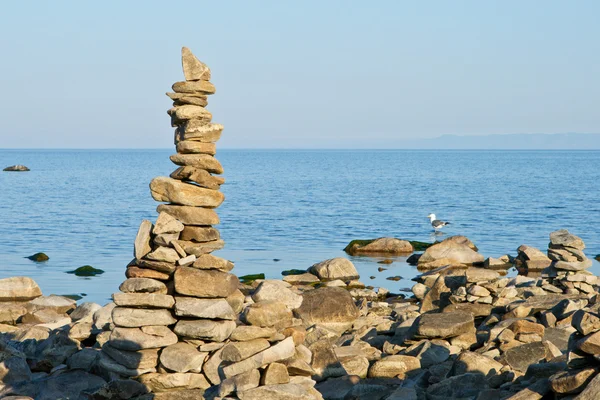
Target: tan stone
<point x="238" y="351"/>
<point x="199" y="249"/>
<point x="141" y="246"/>
<point x="200" y="161"/>
<point x="199" y="176"/>
<point x="280" y="351"/>
<point x="208" y="261"/>
<point x="164" y="254"/>
<point x="193" y="69"/>
<point x="173" y="383"/>
<point x="193" y="147"/>
<point x="275" y="374"/>
<point x="205" y="329"/>
<point x="245" y="332"/>
<point x="240" y="383"/>
<point x="190" y="215"/>
<point x="267" y="313"/>
<point x="150" y="300"/>
<point x="189" y="111"/>
<point x="161" y="266"/>
<point x="174" y="191"/>
<point x="330" y="307"/>
<point x="193" y="87"/>
<point x="146" y="337"/>
<point x="335" y="268"/>
<point x="18" y="288"/>
<point x="137" y="317"/>
<point x="200" y="233"/>
<point x="136" y="272"/>
<point x="141" y="359"/>
<point x="204" y="283"/>
<point x="167" y="223"/>
<point x="182" y="357"/>
<point x="391" y="366"/>
<point x="203" y="308"/>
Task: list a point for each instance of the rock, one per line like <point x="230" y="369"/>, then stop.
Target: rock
<point x="164" y="254"/>
<point x="182" y="357"/>
<point x="143" y="300"/>
<point x="208" y="261"/>
<point x="568" y="382"/>
<point x="389" y="246"/>
<point x="238" y="351"/>
<point x="429" y="353"/>
<point x="562" y="238"/>
<point x="193" y="69"/>
<point x="267" y="313"/>
<point x="102" y="318"/>
<point x="198" y="176"/>
<point x="469" y="361"/>
<point x="108" y="364"/>
<point x="65" y="385"/>
<point x="480" y="275"/>
<point x="455" y="251"/>
<point x="477" y="309"/>
<point x="244" y="332"/>
<point x="39" y="257"/>
<point x="58" y="304"/>
<point x="532" y="258"/>
<point x="16" y="168"/>
<point x="146" y="337"/>
<point x="84" y="359"/>
<point x="85" y="312"/>
<point x="585" y="322"/>
<point x="335" y="268"/>
<point x="13" y="370"/>
<point x="204" y="87"/>
<point x="119" y="389"/>
<point x="184" y="112"/>
<point x="199" y="249"/>
<point x="174" y="191"/>
<point x="135" y="272"/>
<point x="138" y="317"/>
<point x="281" y="351"/>
<point x="204" y="329"/>
<point x="520" y="357"/>
<point x="240" y="383"/>
<point x="166" y="223"/>
<point x="329" y="307"/>
<point x="11" y="312"/>
<point x="18" y="288"/>
<point x="190" y="215"/>
<point x="193" y="147"/>
<point x="276" y="291"/>
<point x="171" y="383"/>
<point x="140" y="359"/>
<point x="143" y="285"/>
<point x="204" y="283"/>
<point x="437" y="297"/>
<point x="288" y="391"/>
<point x="444" y="325"/>
<point x="590" y="344"/>
<point x="592" y="391"/>
<point x="392" y="366"/>
<point x="200" y="234"/>
<point x="465" y="386"/>
<point x="86" y="270"/>
<point x="301" y="279"/>
<point x="141" y="245"/>
<point x="275" y="374"/>
<point x="200" y="161"/>
<point x="572" y="265"/>
<point x="204" y="308"/>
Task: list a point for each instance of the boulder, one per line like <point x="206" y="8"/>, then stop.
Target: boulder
<point x="267" y="313"/>
<point x="335" y="268"/>
<point x="204" y="283"/>
<point x="381" y="246"/>
<point x="454" y="251"/>
<point x="277" y="291"/>
<point x="330" y="307"/>
<point x="469" y="361"/>
<point x="18" y="288"/>
<point x="520" y="357"/>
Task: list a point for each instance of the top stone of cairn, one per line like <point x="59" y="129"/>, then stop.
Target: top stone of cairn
<point x="193" y="69"/>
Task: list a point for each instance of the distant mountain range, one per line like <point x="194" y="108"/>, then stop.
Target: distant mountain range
<point x="558" y="141"/>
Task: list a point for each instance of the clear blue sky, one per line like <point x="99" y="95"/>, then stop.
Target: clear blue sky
<point x="298" y="74"/>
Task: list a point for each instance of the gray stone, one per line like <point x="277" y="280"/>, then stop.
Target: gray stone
<point x="276" y="291"/>
<point x="238" y="351"/>
<point x="140" y="359"/>
<point x="520" y="357"/>
<point x="204" y="283"/>
<point x="465" y="386"/>
<point x="138" y="317"/>
<point x="203" y="308"/>
<point x="145" y="300"/>
<point x="172" y="383"/>
<point x="444" y="325"/>
<point x="146" y="337"/>
<point x="562" y="238"/>
<point x="281" y="351"/>
<point x="182" y="357"/>
<point x="330" y="307"/>
<point x="217" y="331"/>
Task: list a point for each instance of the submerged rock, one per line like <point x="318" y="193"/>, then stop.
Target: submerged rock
<point x="16" y="168"/>
<point x="384" y="245"/>
<point x="86" y="270"/>
<point x="38" y="257"/>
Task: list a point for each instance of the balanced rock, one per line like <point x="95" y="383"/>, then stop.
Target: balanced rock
<point x="205" y="329"/>
<point x="143" y="285"/>
<point x="193" y="69"/>
<point x="190" y="215"/>
<point x="137" y="317"/>
<point x="174" y="191"/>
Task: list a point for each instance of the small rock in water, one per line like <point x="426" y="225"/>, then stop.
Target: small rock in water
<point x="386" y="261"/>
<point x="16" y="168"/>
<point x="293" y="272"/>
<point x="372" y="277"/>
<point x="381" y="269"/>
<point x="393" y="278"/>
<point x="277" y="259"/>
<point x="39" y="257"/>
<point x="86" y="270"/>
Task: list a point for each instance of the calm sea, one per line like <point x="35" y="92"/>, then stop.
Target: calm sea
<point x="290" y="209"/>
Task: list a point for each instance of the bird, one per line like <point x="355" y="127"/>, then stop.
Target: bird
<point x="436" y="223"/>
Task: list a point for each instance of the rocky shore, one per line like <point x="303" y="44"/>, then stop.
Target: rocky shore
<point x="184" y="326"/>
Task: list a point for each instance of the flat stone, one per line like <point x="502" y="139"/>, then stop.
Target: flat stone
<point x="208" y="261"/>
<point x="201" y="131"/>
<point x="140" y="359"/>
<point x="592" y="391"/>
<point x="199" y="249"/>
<point x="198" y="176"/>
<point x="301" y="279"/>
<point x="240" y="383"/>
<point x="585" y="322"/>
<point x="141" y="246"/>
<point x="193" y="147"/>
<point x="469" y="361"/>
<point x="167" y="223"/>
<point x="182" y="357"/>
<point x="204" y="87"/>
<point x="275" y="374"/>
<point x="193" y="69"/>
<point x="281" y="351"/>
<point x="190" y="215"/>
<point x="384" y="245"/>
<point x="143" y="285"/>
<point x="164" y="254"/>
<point x="465" y="386"/>
<point x="335" y="268"/>
<point x="445" y="325"/>
<point x="204" y="308"/>
<point x="330" y="307"/>
<point x="188" y="111"/>
<point x="58" y="304"/>
<point x="145" y="300"/>
<point x="216" y="331"/>
<point x="590" y="344"/>
<point x="429" y="353"/>
<point x="174" y="191"/>
<point x="18" y="288"/>
<point x="288" y="391"/>
<point x="562" y="238"/>
<point x="200" y="161"/>
<point x="204" y="283"/>
<point x="165" y="239"/>
<point x="238" y="351"/>
<point x="146" y="337"/>
<point x="137" y="317"/>
<point x="568" y="382"/>
<point x="572" y="265"/>
<point x="392" y="366"/>
<point x="200" y="233"/>
<point x="274" y="290"/>
<point x="520" y="357"/>
<point x="248" y="332"/>
<point x="171" y="384"/>
<point x="267" y="313"/>
<point x="137" y="272"/>
<point x="480" y="275"/>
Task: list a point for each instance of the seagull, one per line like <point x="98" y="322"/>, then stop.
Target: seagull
<point x="436" y="223"/>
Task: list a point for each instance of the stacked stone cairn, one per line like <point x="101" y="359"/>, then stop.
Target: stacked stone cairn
<point x="177" y="321"/>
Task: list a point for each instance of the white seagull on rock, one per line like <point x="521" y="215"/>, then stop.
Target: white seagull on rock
<point x="436" y="223"/>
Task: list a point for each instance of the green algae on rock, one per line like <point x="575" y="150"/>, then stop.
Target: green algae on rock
<point x="39" y="257"/>
<point x="247" y="279"/>
<point x="288" y="272"/>
<point x="86" y="270"/>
